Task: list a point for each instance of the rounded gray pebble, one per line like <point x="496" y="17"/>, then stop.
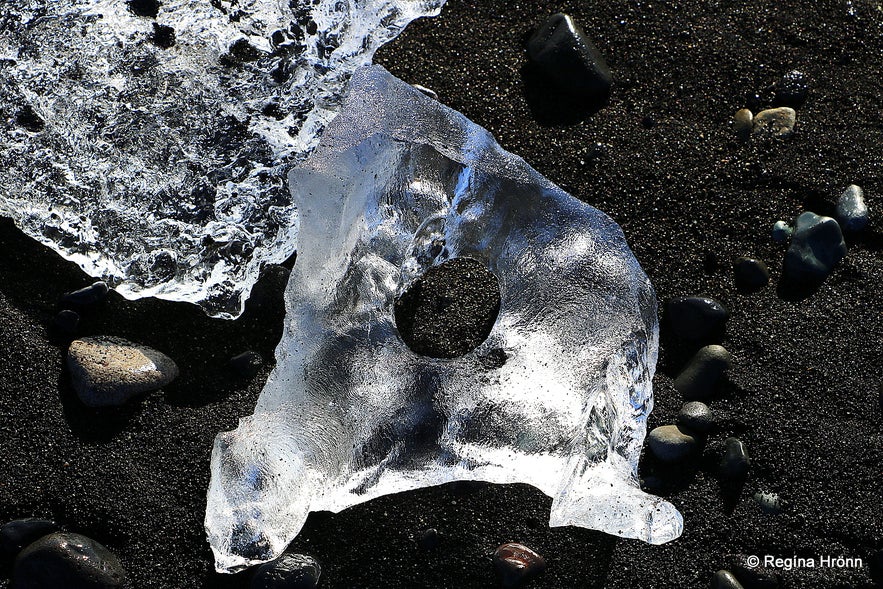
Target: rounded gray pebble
<point x="67" y="560"/>
<point x="817" y="246"/>
<point x="781" y="232"/>
<point x="776" y="122"/>
<point x="289" y="571"/>
<point x="17" y="534"/>
<point x="108" y="371"/>
<point x="696" y="416"/>
<point x="852" y="212"/>
<point x="671" y="443"/>
<point x="700" y="378"/>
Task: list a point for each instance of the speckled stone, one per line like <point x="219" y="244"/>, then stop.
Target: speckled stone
<point x="516" y="564"/>
<point x="696" y="416"/>
<point x="671" y="443"/>
<point x="108" y="371"/>
<point x="69" y="561"/>
<point x="817" y="246"/>
<point x="777" y="122"/>
<point x="852" y="212"/>
<point x="700" y="378"/>
<point x="289" y="571"/>
<point x="769" y="502"/>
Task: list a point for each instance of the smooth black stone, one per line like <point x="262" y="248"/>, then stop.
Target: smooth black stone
<point x="289" y="571"/>
<point x="449" y="310"/>
<point x="725" y="580"/>
<point x="735" y="463"/>
<point x="429" y="539"/>
<point x="88" y="295"/>
<point x="792" y="89"/>
<point x="67" y="560"/>
<point x="246" y="364"/>
<point x="696" y="416"/>
<point x="817" y="246"/>
<point x="750" y="274"/>
<point x="517" y="564"/>
<point x="696" y="318"/>
<point x="569" y="58"/>
<point x="757" y="577"/>
<point x="703" y="373"/>
<point x="67" y="321"/>
<point x="148" y="8"/>
<point x="17" y="534"/>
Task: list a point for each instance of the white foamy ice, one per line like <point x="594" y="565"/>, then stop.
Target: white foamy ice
<point x="149" y="140"/>
<point x="399" y="183"/>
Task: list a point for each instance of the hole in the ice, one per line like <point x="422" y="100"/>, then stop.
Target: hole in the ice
<point x="148" y="8"/>
<point x="450" y="310"/>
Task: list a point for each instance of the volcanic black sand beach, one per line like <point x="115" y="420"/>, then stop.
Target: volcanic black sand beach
<point x="662" y="159"/>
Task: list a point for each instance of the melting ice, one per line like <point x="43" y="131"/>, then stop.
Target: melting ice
<point x="148" y="140"/>
<point x="398" y="184"/>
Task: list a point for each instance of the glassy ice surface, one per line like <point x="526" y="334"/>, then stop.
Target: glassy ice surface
<point x="149" y="140"/>
<point x="400" y="183"/>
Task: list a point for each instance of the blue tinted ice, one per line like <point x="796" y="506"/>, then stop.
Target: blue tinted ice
<point x="400" y="183"/>
<point x="149" y="140"/>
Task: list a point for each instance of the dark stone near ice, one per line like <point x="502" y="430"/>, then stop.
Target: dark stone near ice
<point x="671" y="443"/>
<point x="852" y="212"/>
<point x="67" y="321"/>
<point x="725" y="580"/>
<point x="429" y="539"/>
<point x="735" y="463"/>
<point x="17" y="534"/>
<point x="756" y="577"/>
<point x="792" y="89"/>
<point x="89" y="295"/>
<point x="569" y="58"/>
<point x="163" y="36"/>
<point x="697" y="318"/>
<point x="28" y="118"/>
<point x="246" y="364"/>
<point x="817" y="246"/>
<point x="67" y="560"/>
<point x="289" y="571"/>
<point x="147" y="8"/>
<point x="751" y="275"/>
<point x="516" y="564"/>
<point x="699" y="379"/>
<point x="696" y="416"/>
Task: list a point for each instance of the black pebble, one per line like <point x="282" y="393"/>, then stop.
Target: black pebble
<point x="246" y="364"/>
<point x="735" y="463"/>
<point x="163" y="36"/>
<point x="67" y="560"/>
<point x="30" y="120"/>
<point x="696" y="416"/>
<point x="703" y="373"/>
<point x="17" y="534"/>
<point x="289" y="571"/>
<point x="569" y="58"/>
<point x="817" y="246"/>
<point x="725" y="580"/>
<point x="751" y="275"/>
<point x="67" y="321"/>
<point x="757" y="577"/>
<point x="792" y="89"/>
<point x="429" y="539"/>
<point x="697" y="318"/>
<point x="148" y="8"/>
<point x="89" y="295"/>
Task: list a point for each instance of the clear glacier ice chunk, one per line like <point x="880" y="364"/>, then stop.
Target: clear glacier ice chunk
<point x="399" y="184"/>
<point x="149" y="140"/>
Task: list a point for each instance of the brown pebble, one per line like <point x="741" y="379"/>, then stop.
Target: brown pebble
<point x="517" y="564"/>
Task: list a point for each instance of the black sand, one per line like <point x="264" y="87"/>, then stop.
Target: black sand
<point x="662" y="160"/>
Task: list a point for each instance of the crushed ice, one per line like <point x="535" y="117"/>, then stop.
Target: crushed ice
<point x="148" y="140"/>
<point x="399" y="184"/>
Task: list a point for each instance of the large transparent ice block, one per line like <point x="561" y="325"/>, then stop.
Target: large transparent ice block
<point x="149" y="140"/>
<point x="400" y="183"/>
